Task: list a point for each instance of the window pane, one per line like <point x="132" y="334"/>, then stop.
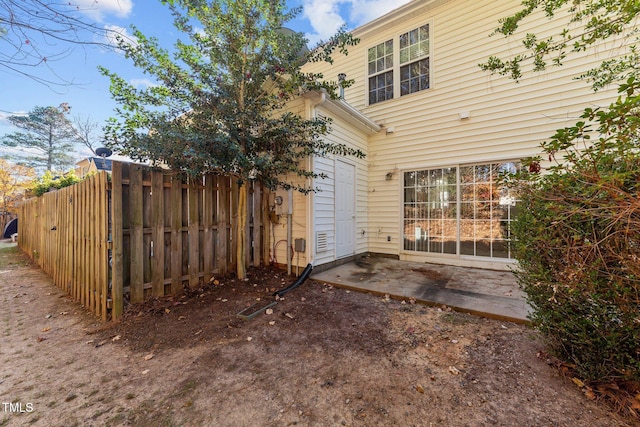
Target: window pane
<point x="388" y="61"/>
<point x="413" y="36"/>
<point x="409" y="178"/>
<point x="404" y="40"/>
<point x="380" y="58"/>
<point x="415" y="76"/>
<point x="483" y="248"/>
<point x="414" y="44"/>
<point x="372" y="54"/>
<point x="500" y="249"/>
<point x="424" y="32"/>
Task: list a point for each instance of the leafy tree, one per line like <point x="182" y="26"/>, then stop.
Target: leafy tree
<point x="47" y="140"/>
<point x="220" y="103"/>
<point x="14" y="181"/>
<point x="589" y="22"/>
<point x="578" y="240"/>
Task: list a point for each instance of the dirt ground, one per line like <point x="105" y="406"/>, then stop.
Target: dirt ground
<point x="324" y="357"/>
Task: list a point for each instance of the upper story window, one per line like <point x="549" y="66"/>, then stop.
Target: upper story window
<point x="414" y="60"/>
<point x="381" y="72"/>
<point x="408" y="71"/>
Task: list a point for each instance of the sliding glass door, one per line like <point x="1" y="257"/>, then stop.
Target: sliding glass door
<point x="460" y="210"/>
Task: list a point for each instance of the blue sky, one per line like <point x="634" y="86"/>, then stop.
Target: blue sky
<point x="89" y="96"/>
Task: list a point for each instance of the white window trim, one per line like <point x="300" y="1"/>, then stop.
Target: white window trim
<point x="396" y="62"/>
<point x="441" y="258"/>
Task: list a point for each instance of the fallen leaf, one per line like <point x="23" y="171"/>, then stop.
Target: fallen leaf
<point x="47" y="329"/>
<point x="40" y="339"/>
<point x="149" y="356"/>
<point x="116" y="338"/>
<point x="145" y="372"/>
<point x="419" y="388"/>
<point x="577" y="382"/>
<point x="166" y="310"/>
<point x="454" y="370"/>
<point x="272" y="322"/>
<point x="289" y="315"/>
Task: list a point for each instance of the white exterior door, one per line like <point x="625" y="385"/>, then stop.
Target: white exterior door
<point x="345" y="204"/>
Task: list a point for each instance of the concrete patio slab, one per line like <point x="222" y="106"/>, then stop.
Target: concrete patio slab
<point x="488" y="293"/>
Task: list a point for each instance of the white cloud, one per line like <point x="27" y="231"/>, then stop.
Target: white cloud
<point x="363" y="11"/>
<point x="142" y="83"/>
<point x="327" y="16"/>
<point x="113" y="31"/>
<point x="98" y="9"/>
<point x="4" y="116"/>
<point x="324" y="17"/>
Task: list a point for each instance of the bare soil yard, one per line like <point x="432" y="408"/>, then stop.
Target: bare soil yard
<point x="323" y="357"/>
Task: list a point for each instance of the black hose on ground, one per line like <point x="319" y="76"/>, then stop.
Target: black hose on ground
<point x="297" y="283"/>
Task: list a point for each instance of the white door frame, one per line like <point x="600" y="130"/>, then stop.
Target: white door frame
<point x="345" y="210"/>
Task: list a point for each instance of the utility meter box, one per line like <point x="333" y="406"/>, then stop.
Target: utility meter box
<point x="300" y="245"/>
<point x="283" y="202"/>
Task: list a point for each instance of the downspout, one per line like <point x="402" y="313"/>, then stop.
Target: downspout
<point x="289" y="228"/>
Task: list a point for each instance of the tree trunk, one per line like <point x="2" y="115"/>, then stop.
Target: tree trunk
<point x="241" y="235"/>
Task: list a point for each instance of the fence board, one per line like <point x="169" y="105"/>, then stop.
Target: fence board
<point x="193" y="236"/>
<point x="176" y="234"/>
<point x="157" y="237"/>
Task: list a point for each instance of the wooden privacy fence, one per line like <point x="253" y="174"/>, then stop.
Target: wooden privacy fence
<point x="143" y="233"/>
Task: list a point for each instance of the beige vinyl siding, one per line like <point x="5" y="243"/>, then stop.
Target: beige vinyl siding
<point x="507" y="121"/>
<point x="300" y="208"/>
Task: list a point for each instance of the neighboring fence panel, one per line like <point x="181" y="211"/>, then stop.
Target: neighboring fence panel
<point x="145" y="234"/>
<point x="65" y="233"/>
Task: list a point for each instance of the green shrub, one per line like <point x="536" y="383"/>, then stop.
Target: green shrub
<point x="578" y="241"/>
<point x="48" y="181"/>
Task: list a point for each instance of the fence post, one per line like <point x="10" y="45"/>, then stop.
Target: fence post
<point x="117" y="245"/>
<point x="157" y="236"/>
